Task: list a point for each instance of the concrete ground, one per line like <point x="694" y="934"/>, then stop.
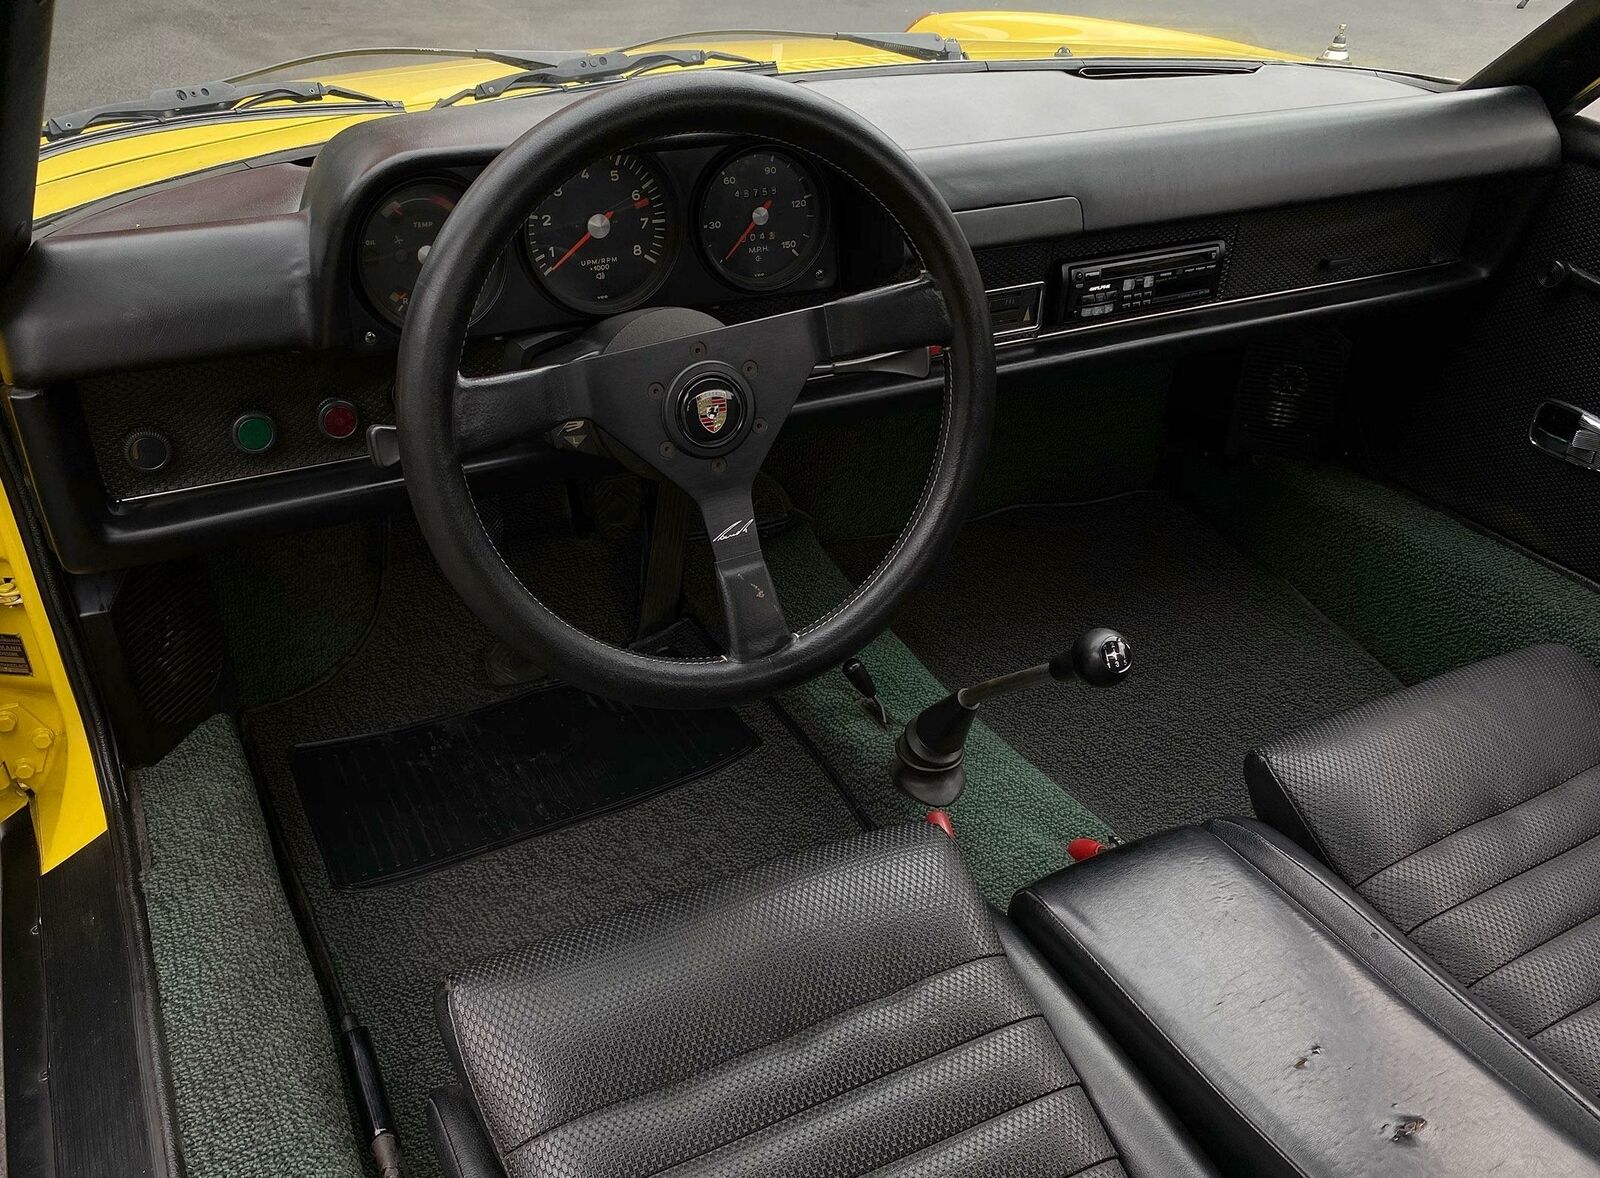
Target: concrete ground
<point x="112" y="49"/>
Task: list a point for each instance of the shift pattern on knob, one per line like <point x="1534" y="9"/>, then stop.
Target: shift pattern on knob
<point x="1101" y="657"/>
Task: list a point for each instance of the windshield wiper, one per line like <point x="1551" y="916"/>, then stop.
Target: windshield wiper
<point x="204" y="99"/>
<point x="596" y="67"/>
<point x="527" y="59"/>
<point x="921" y="46"/>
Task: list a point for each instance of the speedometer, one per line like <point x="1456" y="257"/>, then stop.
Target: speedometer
<point x="604" y="240"/>
<point x="761" y="219"/>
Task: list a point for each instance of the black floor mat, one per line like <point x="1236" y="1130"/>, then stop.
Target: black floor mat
<point x="395" y="804"/>
<point x="1224" y="652"/>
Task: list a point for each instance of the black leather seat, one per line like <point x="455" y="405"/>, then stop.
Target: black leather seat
<point x="1466" y="810"/>
<point x="1289" y="1025"/>
<point x="853" y="1009"/>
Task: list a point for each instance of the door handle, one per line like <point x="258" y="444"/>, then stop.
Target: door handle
<point x="1566" y="432"/>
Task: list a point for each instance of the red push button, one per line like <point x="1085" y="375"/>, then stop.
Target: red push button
<point x="337" y="419"/>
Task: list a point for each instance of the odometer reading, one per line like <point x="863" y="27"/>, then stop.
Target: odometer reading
<point x="603" y="240"/>
<point x="761" y="219"/>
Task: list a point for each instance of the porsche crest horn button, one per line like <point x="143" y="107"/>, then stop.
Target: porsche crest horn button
<point x="711" y="412"/>
<point x="711" y="406"/>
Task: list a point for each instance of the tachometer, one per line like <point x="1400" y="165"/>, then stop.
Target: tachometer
<point x="396" y="240"/>
<point x="604" y="240"/>
<point x="761" y="219"/>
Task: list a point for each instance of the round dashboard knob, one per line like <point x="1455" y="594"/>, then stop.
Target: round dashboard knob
<point x="146" y="451"/>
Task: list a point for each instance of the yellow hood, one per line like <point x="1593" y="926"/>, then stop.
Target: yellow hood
<point x="104" y="162"/>
<point x="1085" y="36"/>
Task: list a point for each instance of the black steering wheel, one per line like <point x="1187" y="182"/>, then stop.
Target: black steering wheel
<point x="700" y="402"/>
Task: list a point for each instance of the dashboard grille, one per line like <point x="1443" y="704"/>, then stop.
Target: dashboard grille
<point x="1358" y="237"/>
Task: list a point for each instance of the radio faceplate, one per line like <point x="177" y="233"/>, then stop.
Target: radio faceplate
<point x="1133" y="284"/>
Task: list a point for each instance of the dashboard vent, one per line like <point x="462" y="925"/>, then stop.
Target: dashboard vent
<point x="1135" y="68"/>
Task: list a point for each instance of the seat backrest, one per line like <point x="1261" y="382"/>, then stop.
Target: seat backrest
<point x="1466" y="809"/>
<point x="844" y="1008"/>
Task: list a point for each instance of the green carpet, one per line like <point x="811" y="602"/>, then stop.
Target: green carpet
<point x="254" y="1069"/>
<point x="1421" y="591"/>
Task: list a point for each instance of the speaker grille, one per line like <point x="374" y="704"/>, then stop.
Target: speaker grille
<point x="167" y="621"/>
<point x="1289" y="391"/>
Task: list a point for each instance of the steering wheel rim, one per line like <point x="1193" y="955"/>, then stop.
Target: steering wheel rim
<point x="443" y="416"/>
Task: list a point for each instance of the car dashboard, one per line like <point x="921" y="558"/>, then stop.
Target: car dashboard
<point x="204" y="358"/>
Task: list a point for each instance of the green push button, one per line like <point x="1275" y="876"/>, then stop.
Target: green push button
<point x="254" y="433"/>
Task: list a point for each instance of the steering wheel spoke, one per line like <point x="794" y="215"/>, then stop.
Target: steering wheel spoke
<point x="750" y="610"/>
<point x="885" y="319"/>
<point x="493" y="412"/>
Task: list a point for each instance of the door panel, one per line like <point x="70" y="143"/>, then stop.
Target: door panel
<point x="1450" y="416"/>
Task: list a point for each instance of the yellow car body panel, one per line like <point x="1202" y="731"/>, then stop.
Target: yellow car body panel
<point x="44" y="749"/>
<point x="104" y="162"/>
<point x="1039" y="34"/>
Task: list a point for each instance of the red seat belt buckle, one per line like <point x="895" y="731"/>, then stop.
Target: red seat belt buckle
<point x="1084" y="848"/>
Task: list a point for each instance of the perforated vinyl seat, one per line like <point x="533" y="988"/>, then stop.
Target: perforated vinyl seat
<point x="853" y="1009"/>
<point x="1466" y="810"/>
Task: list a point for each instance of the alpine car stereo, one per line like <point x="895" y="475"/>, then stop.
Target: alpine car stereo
<point x="1107" y="288"/>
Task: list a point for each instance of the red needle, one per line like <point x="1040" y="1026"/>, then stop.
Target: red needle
<point x="748" y="230"/>
<point x="576" y="246"/>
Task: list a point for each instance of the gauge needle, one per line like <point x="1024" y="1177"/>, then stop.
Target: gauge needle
<point x="588" y="236"/>
<point x="599" y="226"/>
<point x="758" y="217"/>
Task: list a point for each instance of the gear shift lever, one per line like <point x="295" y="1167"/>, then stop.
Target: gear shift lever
<point x="928" y="755"/>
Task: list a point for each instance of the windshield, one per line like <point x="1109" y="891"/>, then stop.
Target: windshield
<point x="106" y="52"/>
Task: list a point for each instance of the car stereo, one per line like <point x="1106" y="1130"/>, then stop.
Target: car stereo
<point x="1131" y="284"/>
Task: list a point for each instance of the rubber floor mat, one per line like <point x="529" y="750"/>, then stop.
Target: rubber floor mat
<point x="393" y="805"/>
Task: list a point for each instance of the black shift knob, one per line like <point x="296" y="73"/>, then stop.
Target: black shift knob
<point x="1100" y="657"/>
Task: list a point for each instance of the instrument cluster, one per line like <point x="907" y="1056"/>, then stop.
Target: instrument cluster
<point x="694" y="226"/>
